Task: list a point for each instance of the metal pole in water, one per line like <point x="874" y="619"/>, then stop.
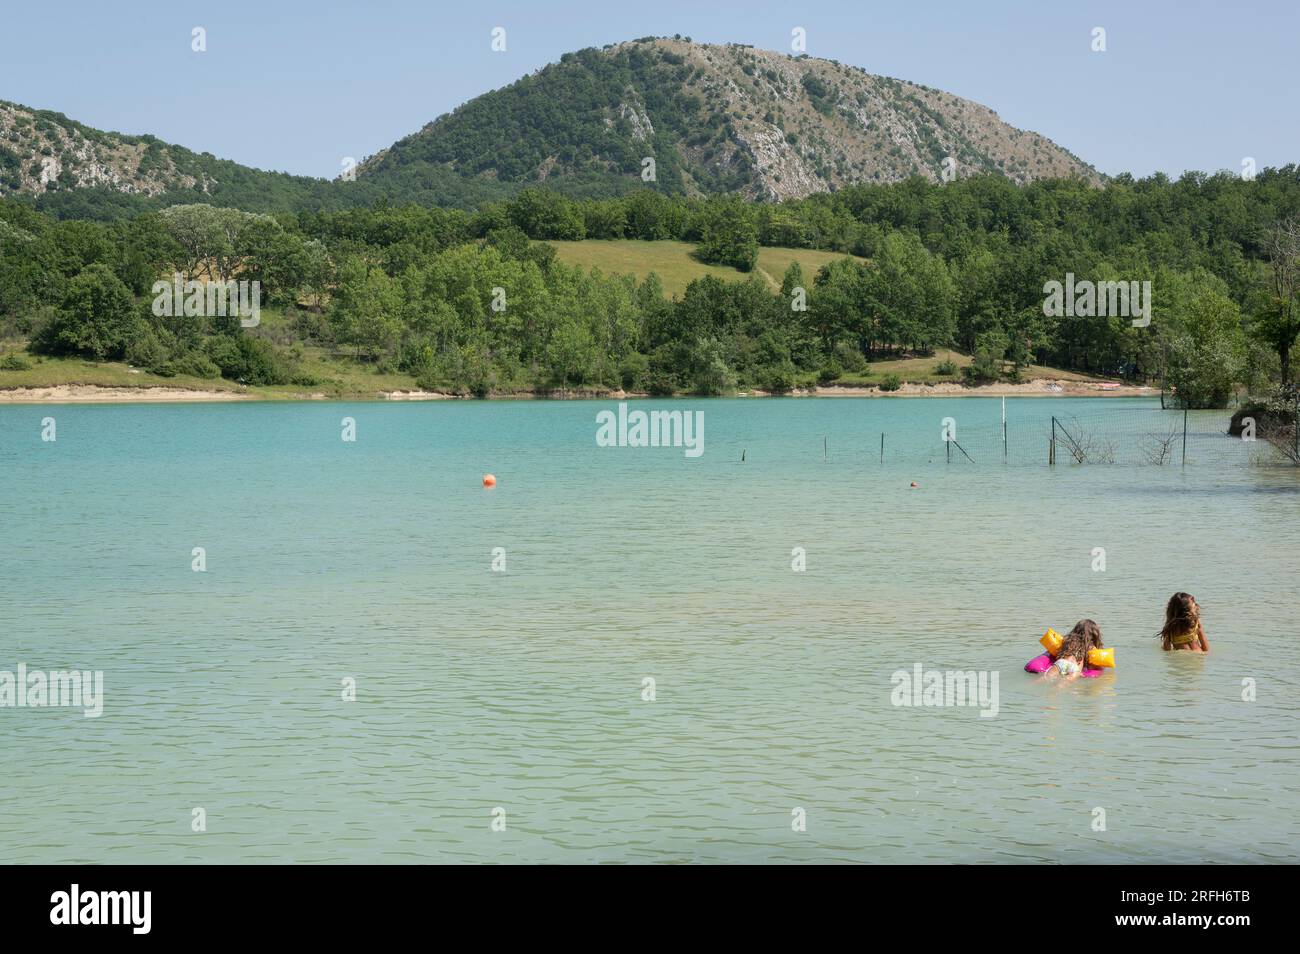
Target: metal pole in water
<point x="1004" y="428"/>
<point x="882" y="447"/>
<point x="1184" y="434"/>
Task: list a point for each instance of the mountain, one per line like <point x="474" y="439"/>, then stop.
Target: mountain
<point x="714" y="119"/>
<point x="64" y="163"/>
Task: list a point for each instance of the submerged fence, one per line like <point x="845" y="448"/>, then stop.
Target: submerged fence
<point x="1147" y="435"/>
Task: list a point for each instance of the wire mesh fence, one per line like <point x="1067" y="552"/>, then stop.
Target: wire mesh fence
<point x="1145" y="435"/>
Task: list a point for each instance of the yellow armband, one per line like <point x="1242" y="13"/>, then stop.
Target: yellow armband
<point x="1101" y="658"/>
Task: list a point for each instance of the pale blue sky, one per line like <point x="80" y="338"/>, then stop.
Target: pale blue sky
<point x="296" y="86"/>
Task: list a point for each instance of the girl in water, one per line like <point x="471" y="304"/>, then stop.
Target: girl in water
<point x="1072" y="659"/>
<point x="1183" y="629"/>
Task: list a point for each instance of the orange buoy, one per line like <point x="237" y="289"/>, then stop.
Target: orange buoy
<point x="489" y="480"/>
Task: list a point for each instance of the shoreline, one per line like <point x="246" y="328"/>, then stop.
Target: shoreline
<point x="111" y="394"/>
<point x="149" y="394"/>
<point x="1039" y="387"/>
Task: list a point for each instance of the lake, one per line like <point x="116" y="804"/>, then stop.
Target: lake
<point x="610" y="655"/>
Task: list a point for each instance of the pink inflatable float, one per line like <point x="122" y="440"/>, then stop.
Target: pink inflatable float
<point x="1040" y="664"/>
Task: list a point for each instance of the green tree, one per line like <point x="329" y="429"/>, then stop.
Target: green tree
<point x="986" y="362"/>
<point x="206" y="239"/>
<point x="96" y="319"/>
<point x="909" y="297"/>
<point x="729" y="236"/>
<point x="367" y="310"/>
<point x="1206" y="345"/>
<point x="1277" y="320"/>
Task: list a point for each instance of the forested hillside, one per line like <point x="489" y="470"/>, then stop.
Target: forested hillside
<point x="713" y="119"/>
<point x="477" y="302"/>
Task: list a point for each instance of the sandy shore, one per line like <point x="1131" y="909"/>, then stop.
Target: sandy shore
<point x="560" y="394"/>
<point x="416" y="396"/>
<point x="1037" y="388"/>
<point x="95" y="394"/>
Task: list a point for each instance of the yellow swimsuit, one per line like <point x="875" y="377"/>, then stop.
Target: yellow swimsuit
<point x="1183" y="640"/>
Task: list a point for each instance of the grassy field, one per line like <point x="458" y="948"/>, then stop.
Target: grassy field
<point x="676" y="265"/>
<point x="925" y="370"/>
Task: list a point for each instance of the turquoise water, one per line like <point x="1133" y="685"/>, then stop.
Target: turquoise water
<point x="522" y="690"/>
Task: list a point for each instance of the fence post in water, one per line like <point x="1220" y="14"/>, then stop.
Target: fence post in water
<point x="1004" y="429"/>
<point x="1184" y="434"/>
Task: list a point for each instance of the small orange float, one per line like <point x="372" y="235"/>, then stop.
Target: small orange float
<point x="489" y="480"/>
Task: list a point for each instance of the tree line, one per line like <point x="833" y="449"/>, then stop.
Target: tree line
<point x="476" y="300"/>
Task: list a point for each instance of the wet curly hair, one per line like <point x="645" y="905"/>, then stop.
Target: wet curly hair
<point x="1086" y="635"/>
<point x="1182" y="617"/>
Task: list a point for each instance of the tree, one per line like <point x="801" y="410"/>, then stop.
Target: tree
<point x="1278" y="320"/>
<point x="986" y="363"/>
<point x="979" y="304"/>
<point x="543" y="214"/>
<point x="729" y="236"/>
<point x="367" y="310"/>
<point x="836" y="306"/>
<point x="96" y="318"/>
<point x="1206" y="346"/>
<point x="791" y="280"/>
<point x="278" y="260"/>
<point x="909" y="296"/>
<point x="207" y="238"/>
<point x="247" y="359"/>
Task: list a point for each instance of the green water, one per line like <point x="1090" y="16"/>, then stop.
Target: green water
<point x="522" y="689"/>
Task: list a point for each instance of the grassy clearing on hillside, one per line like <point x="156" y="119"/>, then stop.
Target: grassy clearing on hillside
<point x="923" y="370"/>
<point x="774" y="261"/>
<point x="676" y="265"/>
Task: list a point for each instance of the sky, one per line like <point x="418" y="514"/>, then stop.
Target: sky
<point x="300" y="87"/>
